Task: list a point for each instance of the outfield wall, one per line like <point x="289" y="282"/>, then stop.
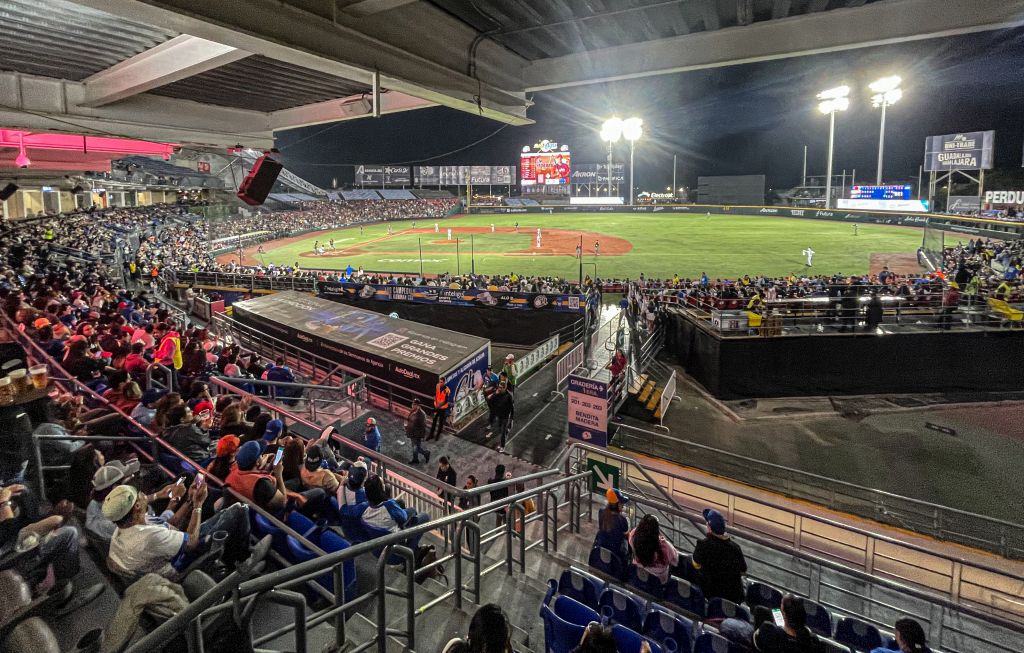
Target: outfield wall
<point x="968" y="227"/>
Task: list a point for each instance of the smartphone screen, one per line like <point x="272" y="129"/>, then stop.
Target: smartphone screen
<point x="777" y="616"/>
<point x="278" y="456"/>
<point x="199" y="480"/>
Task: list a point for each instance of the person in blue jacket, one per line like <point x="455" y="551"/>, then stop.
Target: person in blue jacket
<point x="612" y="524"/>
<point x="386" y="513"/>
<point x="371" y="436"/>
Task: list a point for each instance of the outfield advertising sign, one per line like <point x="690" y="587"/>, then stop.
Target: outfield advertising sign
<point x="963" y="151"/>
<point x="588" y="410"/>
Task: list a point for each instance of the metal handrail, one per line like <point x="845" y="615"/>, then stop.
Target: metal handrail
<point x="318" y="566"/>
<point x="387" y="462"/>
<point x="578" y="447"/>
<point x="859" y="574"/>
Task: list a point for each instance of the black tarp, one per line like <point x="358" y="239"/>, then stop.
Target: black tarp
<point x="844" y="364"/>
<point x="405" y="353"/>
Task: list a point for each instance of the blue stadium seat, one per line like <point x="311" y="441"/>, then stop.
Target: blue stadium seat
<point x="720" y="609"/>
<point x="581" y="586"/>
<point x="661" y="623"/>
<point x="763" y="595"/>
<point x="685" y="596"/>
<point x="560" y="635"/>
<point x="715" y="643"/>
<point x="350" y="518"/>
<point x="373" y="533"/>
<point x="645" y="582"/>
<point x="857" y="635"/>
<point x="331" y="542"/>
<point x="622" y="607"/>
<point x="685" y="565"/>
<point x="607" y="562"/>
<point x="261" y="527"/>
<point x="818" y="618"/>
<point x="629" y="641"/>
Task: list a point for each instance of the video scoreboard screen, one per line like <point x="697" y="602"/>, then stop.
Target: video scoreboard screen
<point x="546" y="164"/>
<point x="893" y="192"/>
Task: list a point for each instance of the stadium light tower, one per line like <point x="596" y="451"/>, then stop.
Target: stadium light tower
<point x="887" y="92"/>
<point x="632" y="130"/>
<point x="830" y="101"/>
<point x="611" y="132"/>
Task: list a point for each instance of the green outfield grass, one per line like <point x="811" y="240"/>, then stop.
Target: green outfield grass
<point x="662" y="245"/>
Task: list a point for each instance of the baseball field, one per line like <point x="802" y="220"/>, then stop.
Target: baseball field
<point x="614" y="246"/>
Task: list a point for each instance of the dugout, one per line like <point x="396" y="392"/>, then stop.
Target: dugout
<point x="404" y="353"/>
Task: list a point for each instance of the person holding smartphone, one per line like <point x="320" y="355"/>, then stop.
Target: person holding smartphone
<point x="784" y="630"/>
<point x="268" y="491"/>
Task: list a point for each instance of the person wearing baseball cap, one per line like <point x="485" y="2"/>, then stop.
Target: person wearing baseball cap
<point x="351" y="492"/>
<point x="268" y="491"/>
<point x="110" y="476"/>
<point x="612" y="525"/>
<point x="371" y="435"/>
<point x="508" y="369"/>
<point x="719" y="561"/>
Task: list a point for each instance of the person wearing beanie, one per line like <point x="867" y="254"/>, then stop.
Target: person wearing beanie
<point x="227" y="447"/>
<point x="316" y="473"/>
<point x="612" y="525"/>
<point x="719" y="561"/>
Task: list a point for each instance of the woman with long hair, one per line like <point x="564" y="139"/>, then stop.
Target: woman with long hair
<point x="651" y="551"/>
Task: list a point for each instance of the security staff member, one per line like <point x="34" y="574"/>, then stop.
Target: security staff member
<point x="442" y="404"/>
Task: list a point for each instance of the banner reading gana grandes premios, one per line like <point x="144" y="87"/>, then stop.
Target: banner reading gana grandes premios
<point x="964" y="151"/>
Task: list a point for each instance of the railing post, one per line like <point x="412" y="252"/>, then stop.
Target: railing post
<point x="339" y="599"/>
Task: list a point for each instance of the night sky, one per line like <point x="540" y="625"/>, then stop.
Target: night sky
<point x="747" y="119"/>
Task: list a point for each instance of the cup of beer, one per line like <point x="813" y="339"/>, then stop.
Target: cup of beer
<point x="7" y="391"/>
<point x="19" y="379"/>
<point x="39" y="375"/>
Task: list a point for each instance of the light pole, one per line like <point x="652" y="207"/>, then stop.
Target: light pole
<point x="887" y="92"/>
<point x="611" y="131"/>
<point x="632" y="130"/>
<point x="830" y="101"/>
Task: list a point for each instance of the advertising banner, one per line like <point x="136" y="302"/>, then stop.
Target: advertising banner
<point x="408" y="354"/>
<point x="428" y="175"/>
<point x="370" y="175"/>
<point x="455" y="296"/>
<point x="965" y="151"/>
<point x="505" y="175"/>
<point x="597" y="173"/>
<point x="964" y="203"/>
<point x="588" y="410"/>
<point x="1004" y="197"/>
<point x="535" y="357"/>
<point x="884" y="205"/>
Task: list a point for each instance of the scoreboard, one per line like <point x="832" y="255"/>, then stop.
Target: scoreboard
<point x="891" y="192"/>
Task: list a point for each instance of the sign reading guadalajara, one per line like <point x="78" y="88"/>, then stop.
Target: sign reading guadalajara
<point x="964" y="151"/>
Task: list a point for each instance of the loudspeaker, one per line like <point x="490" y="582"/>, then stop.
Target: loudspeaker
<point x="7" y="191"/>
<point x="257" y="184"/>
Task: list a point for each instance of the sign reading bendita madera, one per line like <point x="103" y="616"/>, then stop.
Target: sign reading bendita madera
<point x="964" y="151"/>
<point x="588" y="410"/>
<point x="354" y="292"/>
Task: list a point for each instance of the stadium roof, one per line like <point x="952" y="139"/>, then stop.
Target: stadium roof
<point x="221" y="73"/>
